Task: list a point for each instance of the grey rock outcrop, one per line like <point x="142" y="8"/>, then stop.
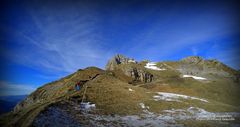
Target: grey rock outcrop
<point x="139" y="75"/>
<point x="136" y="73"/>
<point x="118" y="59"/>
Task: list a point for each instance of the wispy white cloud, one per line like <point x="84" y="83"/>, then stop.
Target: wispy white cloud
<point x="65" y="38"/>
<point x="171" y="36"/>
<point x="8" y="88"/>
<point x="163" y="41"/>
<point x="56" y="42"/>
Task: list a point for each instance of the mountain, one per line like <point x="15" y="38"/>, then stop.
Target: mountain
<point x="189" y="92"/>
<point x="7" y="103"/>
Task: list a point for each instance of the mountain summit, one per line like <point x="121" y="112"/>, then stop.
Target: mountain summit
<point x="192" y="59"/>
<point x="118" y="59"/>
<point x="131" y="93"/>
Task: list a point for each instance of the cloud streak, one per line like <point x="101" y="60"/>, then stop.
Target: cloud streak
<point x="7" y="88"/>
<point x="67" y="36"/>
<point x="56" y="42"/>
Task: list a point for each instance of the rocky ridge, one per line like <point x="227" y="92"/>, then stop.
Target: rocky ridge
<point x="130" y="89"/>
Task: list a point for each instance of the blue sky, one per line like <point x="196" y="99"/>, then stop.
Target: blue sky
<point x="42" y="41"/>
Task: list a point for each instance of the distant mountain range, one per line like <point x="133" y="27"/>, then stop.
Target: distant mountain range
<point x="7" y="103"/>
<point x="187" y="92"/>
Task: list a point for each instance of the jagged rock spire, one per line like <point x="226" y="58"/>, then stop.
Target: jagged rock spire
<point x="118" y="59"/>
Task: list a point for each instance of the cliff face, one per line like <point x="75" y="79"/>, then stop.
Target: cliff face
<point x="138" y="74"/>
<point x="130" y="67"/>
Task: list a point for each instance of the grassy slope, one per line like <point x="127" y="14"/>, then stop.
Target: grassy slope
<point x="112" y="96"/>
<point x="45" y="95"/>
<point x="109" y="91"/>
<point x="222" y="93"/>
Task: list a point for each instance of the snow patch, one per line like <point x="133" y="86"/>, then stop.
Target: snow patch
<point x="131" y="61"/>
<point x="145" y="109"/>
<point x="152" y="66"/>
<point x="167" y="118"/>
<point x="131" y="90"/>
<point x="129" y="120"/>
<point x="87" y="105"/>
<point x="196" y="113"/>
<point x="142" y="105"/>
<point x="174" y="97"/>
<point x="195" y="77"/>
<point x="199" y="112"/>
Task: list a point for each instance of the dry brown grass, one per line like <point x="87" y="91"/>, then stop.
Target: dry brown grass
<point x="110" y="92"/>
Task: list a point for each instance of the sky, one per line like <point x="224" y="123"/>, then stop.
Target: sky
<point x="42" y="41"/>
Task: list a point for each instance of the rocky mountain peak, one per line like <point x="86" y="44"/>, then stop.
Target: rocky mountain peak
<point x="192" y="59"/>
<point x="123" y="89"/>
<point x="118" y="59"/>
